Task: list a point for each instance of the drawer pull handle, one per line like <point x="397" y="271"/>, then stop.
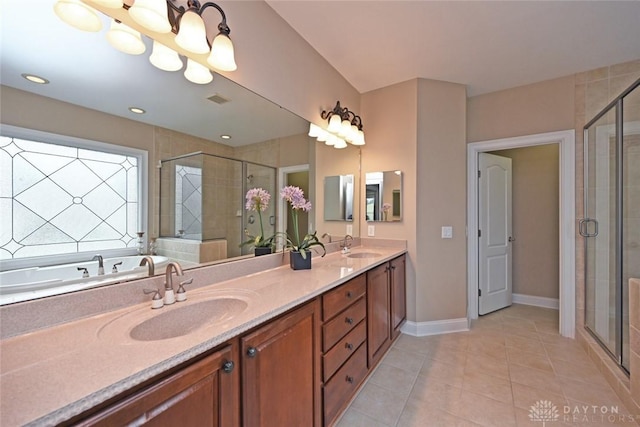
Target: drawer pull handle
<point x="349" y="294"/>
<point x="252" y="352"/>
<point x="348" y="346"/>
<point x="349" y="320"/>
<point x="349" y="379"/>
<point x="228" y="366"/>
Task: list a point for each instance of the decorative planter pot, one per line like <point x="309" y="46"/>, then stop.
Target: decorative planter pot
<point x="297" y="262"/>
<point x="262" y="251"/>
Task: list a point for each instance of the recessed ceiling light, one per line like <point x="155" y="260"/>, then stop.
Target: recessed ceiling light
<point x="225" y="136"/>
<point x="35" y="79"/>
<point x="137" y="110"/>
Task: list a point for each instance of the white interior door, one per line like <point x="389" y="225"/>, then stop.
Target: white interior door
<point x="494" y="237"/>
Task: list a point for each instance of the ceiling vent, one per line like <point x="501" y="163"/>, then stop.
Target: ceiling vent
<point x="218" y="99"/>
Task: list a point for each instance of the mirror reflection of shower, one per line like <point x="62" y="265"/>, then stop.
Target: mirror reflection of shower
<point x="202" y="206"/>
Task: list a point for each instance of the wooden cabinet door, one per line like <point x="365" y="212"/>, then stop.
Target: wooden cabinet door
<point x="378" y="319"/>
<point x="398" y="295"/>
<point x="206" y="393"/>
<point x="281" y="371"/>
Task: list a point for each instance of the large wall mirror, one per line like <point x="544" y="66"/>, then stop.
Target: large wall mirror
<point x="383" y="196"/>
<point x="181" y="118"/>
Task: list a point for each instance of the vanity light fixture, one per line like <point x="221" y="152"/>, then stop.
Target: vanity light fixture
<point x="343" y="126"/>
<point x="160" y="16"/>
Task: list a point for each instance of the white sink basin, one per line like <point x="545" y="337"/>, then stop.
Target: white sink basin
<point x="363" y="255"/>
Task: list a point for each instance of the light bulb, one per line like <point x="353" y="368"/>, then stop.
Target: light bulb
<point x="125" y="38"/>
<point x="222" y="56"/>
<point x="197" y="73"/>
<point x="151" y="14"/>
<point x="192" y="35"/>
<point x="78" y="15"/>
<point x="164" y="58"/>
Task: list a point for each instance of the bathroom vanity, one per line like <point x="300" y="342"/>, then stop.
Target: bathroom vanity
<point x="277" y="347"/>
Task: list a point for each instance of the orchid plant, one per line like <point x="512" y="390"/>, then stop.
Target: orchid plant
<point x="257" y="200"/>
<point x="295" y="197"/>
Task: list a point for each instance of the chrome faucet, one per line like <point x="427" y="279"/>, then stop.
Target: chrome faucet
<point x="169" y="296"/>
<point x="148" y="261"/>
<point x="327" y="235"/>
<point x="100" y="264"/>
<point x="346" y="244"/>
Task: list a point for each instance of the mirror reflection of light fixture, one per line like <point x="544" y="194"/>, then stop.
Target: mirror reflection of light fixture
<point x="343" y="126"/>
<point x="78" y="15"/>
<point x="160" y="16"/>
<point x="125" y="38"/>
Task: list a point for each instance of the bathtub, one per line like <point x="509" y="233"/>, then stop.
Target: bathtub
<point x="37" y="282"/>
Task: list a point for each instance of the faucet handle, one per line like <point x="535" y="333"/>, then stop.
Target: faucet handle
<point x="181" y="293"/>
<point x="85" y="272"/>
<point x="115" y="267"/>
<point x="156" y="300"/>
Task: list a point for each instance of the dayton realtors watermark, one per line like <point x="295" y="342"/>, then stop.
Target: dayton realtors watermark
<point x="545" y="411"/>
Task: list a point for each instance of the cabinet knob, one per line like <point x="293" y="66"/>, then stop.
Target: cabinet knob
<point x="252" y="352"/>
<point x="349" y="379"/>
<point x="393" y="267"/>
<point x="349" y="294"/>
<point x="349" y="320"/>
<point x="228" y="366"/>
<point x="348" y="346"/>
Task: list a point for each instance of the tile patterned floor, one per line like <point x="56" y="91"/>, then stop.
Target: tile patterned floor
<point x="488" y="376"/>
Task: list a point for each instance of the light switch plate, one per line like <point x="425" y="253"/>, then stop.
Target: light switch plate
<point x="371" y="230"/>
<point x="447" y="232"/>
<point x="349" y="229"/>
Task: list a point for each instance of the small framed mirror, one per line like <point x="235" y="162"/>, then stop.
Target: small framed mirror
<point x="383" y="196"/>
<point x="338" y="198"/>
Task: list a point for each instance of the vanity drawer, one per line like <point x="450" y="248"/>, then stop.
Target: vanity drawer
<point x="338" y="391"/>
<point x="333" y="302"/>
<point x="339" y="326"/>
<point x="342" y="350"/>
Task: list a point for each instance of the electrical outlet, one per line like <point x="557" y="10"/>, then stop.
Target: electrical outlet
<point x="349" y="229"/>
<point x="371" y="230"/>
<point x="447" y="232"/>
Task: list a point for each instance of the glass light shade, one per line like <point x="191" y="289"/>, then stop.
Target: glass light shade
<point x="341" y="143"/>
<point x="360" y="137"/>
<point x="197" y="73"/>
<point x="353" y="133"/>
<point x="323" y="136"/>
<point x="151" y="14"/>
<point x="113" y="4"/>
<point x="345" y="128"/>
<point x="331" y="140"/>
<point x="222" y="56"/>
<point x="314" y="130"/>
<point x="125" y="39"/>
<point x="78" y="15"/>
<point x="335" y="124"/>
<point x="192" y="35"/>
<point x="165" y="58"/>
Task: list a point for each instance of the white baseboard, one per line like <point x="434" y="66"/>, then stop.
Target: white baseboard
<point x="436" y="327"/>
<point x="545" y="302"/>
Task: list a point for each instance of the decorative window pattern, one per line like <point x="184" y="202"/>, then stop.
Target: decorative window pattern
<point x="57" y="199"/>
<point x="189" y="202"/>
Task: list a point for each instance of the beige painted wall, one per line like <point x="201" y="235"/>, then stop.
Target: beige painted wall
<point x="426" y="123"/>
<point x="535" y="220"/>
<point x="536" y="108"/>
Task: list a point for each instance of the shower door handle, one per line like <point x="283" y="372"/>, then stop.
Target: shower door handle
<point x="583" y="227"/>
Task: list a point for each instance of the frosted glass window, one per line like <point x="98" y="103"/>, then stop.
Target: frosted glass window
<point x="57" y="199"/>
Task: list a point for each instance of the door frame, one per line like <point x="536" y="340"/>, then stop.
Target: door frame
<point x="567" y="235"/>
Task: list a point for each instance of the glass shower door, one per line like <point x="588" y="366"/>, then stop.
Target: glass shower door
<point x="599" y="228"/>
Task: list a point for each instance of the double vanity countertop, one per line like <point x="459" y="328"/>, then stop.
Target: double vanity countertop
<point x="50" y="375"/>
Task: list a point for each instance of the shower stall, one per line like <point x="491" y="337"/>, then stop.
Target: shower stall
<point x="611" y="223"/>
<point x="202" y="202"/>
